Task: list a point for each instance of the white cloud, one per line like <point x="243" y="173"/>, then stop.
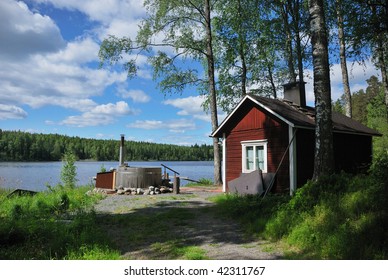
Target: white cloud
<point x="120" y="108"/>
<point x="116" y="17"/>
<point x="147" y="124"/>
<point x="192" y="106"/>
<point x="189" y="106"/>
<point x="51" y="73"/>
<point x="101" y="10"/>
<point x="79" y="51"/>
<point x="137" y="95"/>
<point x="175" y="126"/>
<point x="358" y="74"/>
<point x="38" y="82"/>
<point x="23" y="33"/>
<point x="100" y="115"/>
<point x="11" y="112"/>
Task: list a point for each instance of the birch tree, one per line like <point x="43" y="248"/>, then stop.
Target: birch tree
<point x="324" y="155"/>
<point x="344" y="68"/>
<point x="174" y="34"/>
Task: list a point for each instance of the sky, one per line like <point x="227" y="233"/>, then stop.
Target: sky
<point x="51" y="82"/>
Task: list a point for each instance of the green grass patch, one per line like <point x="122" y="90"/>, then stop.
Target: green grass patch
<point x="55" y="224"/>
<point x="176" y="249"/>
<point x="338" y="217"/>
<point x="202" y="182"/>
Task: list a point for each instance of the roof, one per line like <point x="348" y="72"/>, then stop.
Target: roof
<point x="295" y="116"/>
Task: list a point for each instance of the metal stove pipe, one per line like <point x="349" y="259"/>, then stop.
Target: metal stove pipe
<point x="122" y="151"/>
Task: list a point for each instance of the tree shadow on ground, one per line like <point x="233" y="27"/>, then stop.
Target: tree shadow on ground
<point x="162" y="230"/>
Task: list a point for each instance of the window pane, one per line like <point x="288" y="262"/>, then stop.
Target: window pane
<point x="260" y="157"/>
<point x="249" y="158"/>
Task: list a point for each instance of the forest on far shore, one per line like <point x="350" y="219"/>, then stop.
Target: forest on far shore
<point x="24" y="146"/>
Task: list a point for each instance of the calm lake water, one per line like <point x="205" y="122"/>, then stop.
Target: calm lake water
<point x="36" y="175"/>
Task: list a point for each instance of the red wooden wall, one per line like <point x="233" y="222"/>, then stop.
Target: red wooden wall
<point x="258" y="126"/>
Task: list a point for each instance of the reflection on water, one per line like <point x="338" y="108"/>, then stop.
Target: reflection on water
<point x="36" y="175"/>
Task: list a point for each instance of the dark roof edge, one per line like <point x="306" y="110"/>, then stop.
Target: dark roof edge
<point x="343" y="131"/>
<point x="354" y="130"/>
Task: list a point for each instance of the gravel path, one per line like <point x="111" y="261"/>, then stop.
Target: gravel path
<point x="221" y="239"/>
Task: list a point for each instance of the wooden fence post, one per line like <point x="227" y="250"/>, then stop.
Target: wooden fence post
<point x="176" y="184"/>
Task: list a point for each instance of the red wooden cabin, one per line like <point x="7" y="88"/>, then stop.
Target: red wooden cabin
<point x="260" y="132"/>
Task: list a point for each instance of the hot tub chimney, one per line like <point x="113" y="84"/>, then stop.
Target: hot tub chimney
<point x="122" y="151"/>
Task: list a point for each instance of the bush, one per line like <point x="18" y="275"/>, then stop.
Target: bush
<point x="337" y="217"/>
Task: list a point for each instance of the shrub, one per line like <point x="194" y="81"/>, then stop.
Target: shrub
<point x="69" y="170"/>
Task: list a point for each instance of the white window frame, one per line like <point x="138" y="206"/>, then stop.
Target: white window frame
<point x="254" y="144"/>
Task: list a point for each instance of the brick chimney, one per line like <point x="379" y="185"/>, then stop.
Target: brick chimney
<point x="295" y="92"/>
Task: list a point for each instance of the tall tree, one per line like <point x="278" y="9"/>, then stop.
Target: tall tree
<point x="370" y="29"/>
<point x="324" y="155"/>
<point x="294" y="34"/>
<point x="183" y="28"/>
<point x="245" y="50"/>
<point x="212" y="90"/>
<point x="344" y="68"/>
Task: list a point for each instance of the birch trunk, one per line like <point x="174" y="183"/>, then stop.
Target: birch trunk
<point x="324" y="156"/>
<point x="212" y="93"/>
<point x="344" y="67"/>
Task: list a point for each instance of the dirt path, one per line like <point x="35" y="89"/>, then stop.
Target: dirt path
<point x="153" y="227"/>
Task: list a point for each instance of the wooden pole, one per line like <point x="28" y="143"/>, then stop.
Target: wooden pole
<point x="176" y="184"/>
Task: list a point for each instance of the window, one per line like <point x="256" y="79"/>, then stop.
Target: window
<point x="254" y="155"/>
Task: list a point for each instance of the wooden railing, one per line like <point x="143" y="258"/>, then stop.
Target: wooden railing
<point x="176" y="182"/>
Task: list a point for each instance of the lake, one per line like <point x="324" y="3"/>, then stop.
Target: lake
<point x="36" y="175"/>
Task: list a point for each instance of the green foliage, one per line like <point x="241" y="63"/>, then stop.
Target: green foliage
<point x="23" y="146"/>
<point x="378" y="119"/>
<point x="102" y="168"/>
<point x="337" y="217"/>
<point x="69" y="170"/>
<point x="57" y="224"/>
<point x="370" y="109"/>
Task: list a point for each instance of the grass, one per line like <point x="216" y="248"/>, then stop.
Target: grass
<point x="202" y="182"/>
<point x="176" y="249"/>
<point x="338" y="217"/>
<point x="55" y="224"/>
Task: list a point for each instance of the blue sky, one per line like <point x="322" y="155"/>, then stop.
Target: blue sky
<point x="50" y="81"/>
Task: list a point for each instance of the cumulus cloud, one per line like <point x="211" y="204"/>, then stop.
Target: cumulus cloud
<point x="189" y="106"/>
<point x="176" y="126"/>
<point x="23" y="32"/>
<point x="100" y="115"/>
<point x="82" y="50"/>
<point x="38" y="68"/>
<point x="117" y="17"/>
<point x="11" y="112"/>
<point x="101" y="10"/>
<point x="192" y="106"/>
<point x="137" y="95"/>
<point x="358" y="74"/>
